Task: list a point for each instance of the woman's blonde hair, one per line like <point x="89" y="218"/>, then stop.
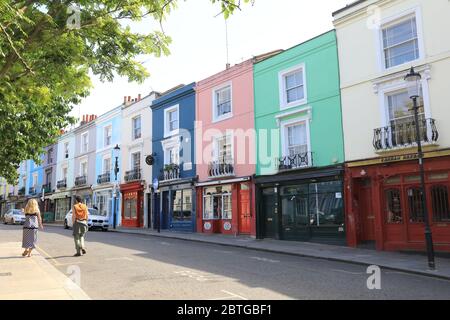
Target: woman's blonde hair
<point x="32" y="207"/>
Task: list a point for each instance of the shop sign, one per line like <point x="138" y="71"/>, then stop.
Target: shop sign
<point x="404" y="157"/>
<point x="207" y="226"/>
<point x="227" y="226"/>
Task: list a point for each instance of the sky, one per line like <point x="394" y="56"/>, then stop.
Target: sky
<point x="198" y="48"/>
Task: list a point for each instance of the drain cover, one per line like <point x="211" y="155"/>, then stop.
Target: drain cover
<point x="5" y="274"/>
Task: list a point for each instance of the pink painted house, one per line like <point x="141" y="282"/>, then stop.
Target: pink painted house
<point x="225" y="150"/>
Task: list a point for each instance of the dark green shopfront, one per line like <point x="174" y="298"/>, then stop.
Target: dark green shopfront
<point x="302" y="206"/>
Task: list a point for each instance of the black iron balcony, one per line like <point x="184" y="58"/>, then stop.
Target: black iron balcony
<point x="401" y="135"/>
<point x="21" y="191"/>
<point x="32" y="190"/>
<point x="47" y="188"/>
<point x="218" y="169"/>
<point x="10" y="194"/>
<point x="80" y="181"/>
<point x="170" y="172"/>
<point x="61" y="184"/>
<point x="104" y="178"/>
<point x="133" y="175"/>
<point x="295" y="161"/>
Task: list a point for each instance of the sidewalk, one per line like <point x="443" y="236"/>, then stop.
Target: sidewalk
<point x="33" y="278"/>
<point x="405" y="262"/>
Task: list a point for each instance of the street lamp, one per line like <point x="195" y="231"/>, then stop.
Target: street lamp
<point x="413" y="80"/>
<point x="116" y="171"/>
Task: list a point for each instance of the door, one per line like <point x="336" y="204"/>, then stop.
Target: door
<point x="244" y="210"/>
<point x="269" y="213"/>
<point x="366" y="213"/>
<point x="295" y="217"/>
<point x="130" y="211"/>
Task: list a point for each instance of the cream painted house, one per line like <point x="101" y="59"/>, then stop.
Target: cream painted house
<point x="378" y="42"/>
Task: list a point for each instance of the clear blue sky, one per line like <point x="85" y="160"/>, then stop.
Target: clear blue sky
<point x="198" y="49"/>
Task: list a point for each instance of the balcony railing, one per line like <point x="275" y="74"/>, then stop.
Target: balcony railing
<point x="402" y="135"/>
<point x="218" y="169"/>
<point x="47" y="188"/>
<point x="61" y="184"/>
<point x="80" y="181"/>
<point x="104" y="178"/>
<point x="170" y="172"/>
<point x="295" y="161"/>
<point x="10" y="194"/>
<point x="32" y="190"/>
<point x="21" y="191"/>
<point x="133" y="175"/>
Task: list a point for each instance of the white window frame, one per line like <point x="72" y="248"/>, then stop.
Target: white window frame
<point x="105" y="135"/>
<point x="215" y="117"/>
<point x="82" y="149"/>
<point x="215" y="150"/>
<point x="105" y="157"/>
<point x="284" y="134"/>
<point x="64" y="168"/>
<point x="167" y="131"/>
<point x="133" y="129"/>
<point x="66" y="150"/>
<point x="131" y="166"/>
<point x="35" y="180"/>
<point x="391" y="21"/>
<point x="84" y="161"/>
<point x="282" y="87"/>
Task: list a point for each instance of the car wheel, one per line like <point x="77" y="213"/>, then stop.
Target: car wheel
<point x="104" y="229"/>
<point x="65" y="225"/>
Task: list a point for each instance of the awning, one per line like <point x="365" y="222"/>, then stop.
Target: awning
<point x="59" y="195"/>
<point x="226" y="181"/>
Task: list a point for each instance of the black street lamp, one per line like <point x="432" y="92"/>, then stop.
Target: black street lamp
<point x="414" y="84"/>
<point x="116" y="171"/>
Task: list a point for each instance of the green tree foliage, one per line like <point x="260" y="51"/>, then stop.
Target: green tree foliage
<point x="47" y="49"/>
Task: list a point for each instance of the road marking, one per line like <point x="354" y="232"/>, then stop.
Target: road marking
<point x="265" y="259"/>
<point x="120" y="258"/>
<point x="48" y="256"/>
<point x="199" y="277"/>
<point x="234" y="294"/>
<point x="344" y="271"/>
<point x="222" y="251"/>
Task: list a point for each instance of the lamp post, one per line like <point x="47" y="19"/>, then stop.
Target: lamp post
<point x="413" y="79"/>
<point x="116" y="171"/>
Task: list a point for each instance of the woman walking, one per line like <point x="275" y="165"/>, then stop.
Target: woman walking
<point x="33" y="221"/>
<point x="80" y="225"/>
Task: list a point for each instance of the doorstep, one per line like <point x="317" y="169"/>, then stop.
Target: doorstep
<point x="405" y="262"/>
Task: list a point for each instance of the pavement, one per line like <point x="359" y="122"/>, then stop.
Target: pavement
<point x="33" y="278"/>
<point x="415" y="263"/>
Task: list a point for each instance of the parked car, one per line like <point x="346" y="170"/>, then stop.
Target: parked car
<point x="14" y="216"/>
<point x="96" y="220"/>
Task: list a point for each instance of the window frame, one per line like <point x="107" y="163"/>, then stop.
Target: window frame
<point x="105" y="136"/>
<point x="216" y="151"/>
<point x="167" y="131"/>
<point x="83" y="144"/>
<point x="395" y="20"/>
<point x="106" y="157"/>
<point x="133" y="128"/>
<point x="215" y="116"/>
<point x="132" y="163"/>
<point x="284" y="104"/>
<point x="284" y="125"/>
<point x="84" y="161"/>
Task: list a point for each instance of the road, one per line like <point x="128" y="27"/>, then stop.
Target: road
<point x="125" y="266"/>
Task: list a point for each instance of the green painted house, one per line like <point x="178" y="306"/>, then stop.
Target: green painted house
<point x="300" y="148"/>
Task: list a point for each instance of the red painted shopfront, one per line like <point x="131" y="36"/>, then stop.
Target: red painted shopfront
<point x="226" y="208"/>
<point x="384" y="204"/>
<point x="132" y="204"/>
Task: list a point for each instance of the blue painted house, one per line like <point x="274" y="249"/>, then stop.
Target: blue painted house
<point x="105" y="187"/>
<point x="173" y="116"/>
<point x="35" y="179"/>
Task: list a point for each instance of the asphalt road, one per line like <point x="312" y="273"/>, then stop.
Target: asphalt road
<point x="124" y="266"/>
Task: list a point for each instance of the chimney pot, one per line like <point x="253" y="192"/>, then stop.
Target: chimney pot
<point x="129" y="98"/>
<point x="124" y="99"/>
<point x="139" y="97"/>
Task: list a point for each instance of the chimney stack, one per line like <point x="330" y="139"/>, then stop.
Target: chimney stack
<point x="139" y="97"/>
<point x="124" y="99"/>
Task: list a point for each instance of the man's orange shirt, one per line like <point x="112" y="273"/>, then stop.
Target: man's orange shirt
<point x="80" y="211"/>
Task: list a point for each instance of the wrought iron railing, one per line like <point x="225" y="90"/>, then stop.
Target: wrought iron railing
<point x="170" y="172"/>
<point x="295" y="161"/>
<point x="21" y="191"/>
<point x="47" y="188"/>
<point x="404" y="134"/>
<point x="80" y="181"/>
<point x="220" y="169"/>
<point x="32" y="190"/>
<point x="104" y="178"/>
<point x="61" y="184"/>
<point x="133" y="175"/>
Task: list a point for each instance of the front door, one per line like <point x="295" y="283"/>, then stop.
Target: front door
<point x="244" y="210"/>
<point x="131" y="210"/>
<point x="269" y="213"/>
<point x="366" y="211"/>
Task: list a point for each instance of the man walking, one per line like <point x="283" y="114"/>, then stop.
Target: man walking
<point x="80" y="225"/>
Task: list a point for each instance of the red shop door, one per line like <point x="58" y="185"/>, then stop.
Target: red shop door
<point x="244" y="211"/>
<point x="131" y="215"/>
<point x="366" y="211"/>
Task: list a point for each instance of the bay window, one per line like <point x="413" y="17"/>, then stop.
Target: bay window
<point x="217" y="203"/>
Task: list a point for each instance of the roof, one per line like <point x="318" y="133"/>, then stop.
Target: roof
<point x="354" y="3"/>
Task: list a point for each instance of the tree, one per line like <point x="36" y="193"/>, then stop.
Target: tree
<point x="46" y="51"/>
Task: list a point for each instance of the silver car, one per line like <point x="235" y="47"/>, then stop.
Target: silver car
<point x="96" y="220"/>
<point x="14" y="216"/>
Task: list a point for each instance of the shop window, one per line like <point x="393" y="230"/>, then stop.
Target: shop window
<point x="217" y="203"/>
<point x="182" y="205"/>
<point x="412" y="179"/>
<point x="130" y="209"/>
<point x="326" y="209"/>
<point x="415" y="203"/>
<point x="393" y="206"/>
<point x="438" y="176"/>
<point x="393" y="180"/>
<point x="440" y="203"/>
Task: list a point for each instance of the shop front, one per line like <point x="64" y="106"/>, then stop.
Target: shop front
<point x="63" y="204"/>
<point x="132" y="204"/>
<point x="302" y="206"/>
<point x="385" y="202"/>
<point x="176" y="206"/>
<point x="86" y="195"/>
<point x="226" y="207"/>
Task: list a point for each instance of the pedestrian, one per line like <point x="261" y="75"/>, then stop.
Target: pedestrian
<point x="80" y="225"/>
<point x="33" y="221"/>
